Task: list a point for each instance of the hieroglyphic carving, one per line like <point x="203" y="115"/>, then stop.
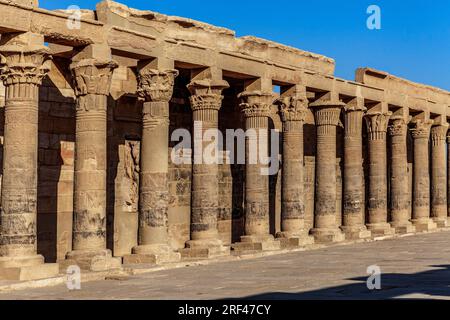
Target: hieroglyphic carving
<point x="132" y="171"/>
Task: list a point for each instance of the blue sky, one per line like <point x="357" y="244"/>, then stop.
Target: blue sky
<point x="414" y="41"/>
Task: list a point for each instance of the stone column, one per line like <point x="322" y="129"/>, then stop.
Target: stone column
<point x="377" y="125"/>
<point x="400" y="197"/>
<point x="256" y="106"/>
<point x="293" y="113"/>
<point x="156" y="88"/>
<point x="92" y="79"/>
<point x="448" y="180"/>
<point x="206" y="101"/>
<point x="439" y="175"/>
<point x="327" y="114"/>
<point x="23" y="59"/>
<point x="421" y="188"/>
<point x="354" y="208"/>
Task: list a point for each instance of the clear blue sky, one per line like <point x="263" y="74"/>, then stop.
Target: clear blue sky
<point x="414" y="41"/>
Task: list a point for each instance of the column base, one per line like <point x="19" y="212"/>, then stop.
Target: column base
<point x="258" y="243"/>
<point x="204" y="249"/>
<point x="356" y="233"/>
<point x="381" y="229"/>
<point x="323" y="236"/>
<point x="26" y="268"/>
<point x="152" y="254"/>
<point x="441" y="222"/>
<point x="290" y="240"/>
<point x="403" y="228"/>
<point x="424" y="225"/>
<point x="99" y="260"/>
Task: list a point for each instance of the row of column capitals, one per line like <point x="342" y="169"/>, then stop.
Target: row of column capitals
<point x="293" y="108"/>
<point x="256" y="103"/>
<point x="92" y="76"/>
<point x="206" y="94"/>
<point x="156" y="85"/>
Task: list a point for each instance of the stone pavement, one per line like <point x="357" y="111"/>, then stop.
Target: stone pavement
<point x="412" y="267"/>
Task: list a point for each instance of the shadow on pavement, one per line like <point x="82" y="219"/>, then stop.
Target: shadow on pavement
<point x="429" y="283"/>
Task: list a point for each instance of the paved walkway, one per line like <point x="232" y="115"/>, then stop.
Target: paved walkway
<point x="412" y="267"/>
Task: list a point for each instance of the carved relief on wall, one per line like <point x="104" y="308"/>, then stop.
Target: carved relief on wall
<point x="131" y="175"/>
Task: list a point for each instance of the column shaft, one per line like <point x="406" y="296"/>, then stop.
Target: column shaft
<point x="18" y="233"/>
<point x="257" y="216"/>
<point x="327" y="116"/>
<point x="92" y="80"/>
<point x="90" y="174"/>
<point x="377" y="125"/>
<point x="205" y="187"/>
<point x="256" y="107"/>
<point x="353" y="211"/>
<point x="448" y="179"/>
<point x="206" y="101"/>
<point x="439" y="175"/>
<point x="24" y="63"/>
<point x="156" y="88"/>
<point x="400" y="201"/>
<point x="154" y="193"/>
<point x="421" y="187"/>
<point x="292" y="196"/>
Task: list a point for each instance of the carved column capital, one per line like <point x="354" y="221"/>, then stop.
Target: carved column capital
<point x="439" y="134"/>
<point x="354" y="112"/>
<point x="23" y="67"/>
<point x="422" y="129"/>
<point x="328" y="111"/>
<point x="377" y="124"/>
<point x="293" y="108"/>
<point x="92" y="76"/>
<point x="155" y="85"/>
<point x="207" y="94"/>
<point x="256" y="103"/>
<point x="398" y="127"/>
